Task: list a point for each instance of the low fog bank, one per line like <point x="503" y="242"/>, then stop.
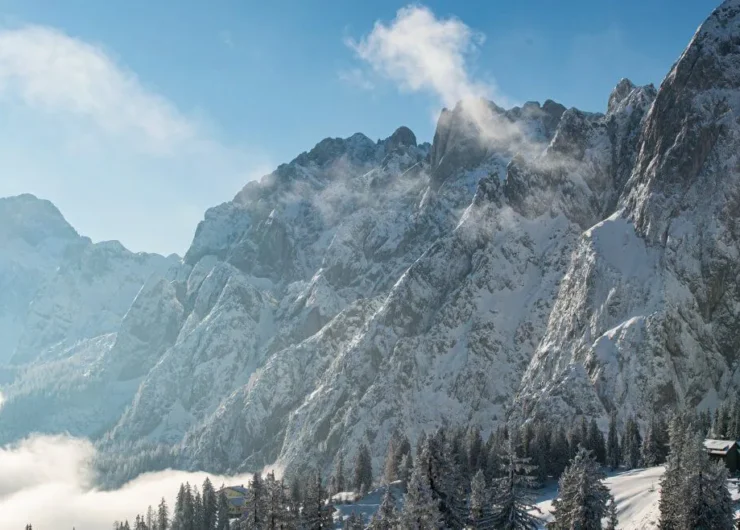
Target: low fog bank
<point x="47" y="481"/>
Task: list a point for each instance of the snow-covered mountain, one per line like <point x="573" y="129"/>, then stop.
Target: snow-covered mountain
<point x="63" y="300"/>
<point x="647" y="315"/>
<point x="535" y="260"/>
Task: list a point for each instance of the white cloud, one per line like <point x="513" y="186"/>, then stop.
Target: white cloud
<point x="54" y="72"/>
<point x="120" y="160"/>
<point x="421" y="52"/>
<point x="357" y="78"/>
<point x="47" y="481"/>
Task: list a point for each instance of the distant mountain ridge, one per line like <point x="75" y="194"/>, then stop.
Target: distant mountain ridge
<point x="530" y="261"/>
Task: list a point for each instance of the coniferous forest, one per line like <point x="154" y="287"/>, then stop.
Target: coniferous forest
<point x="454" y="479"/>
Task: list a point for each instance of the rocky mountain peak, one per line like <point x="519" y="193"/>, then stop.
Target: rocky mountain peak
<point x="620" y="92"/>
<point x="33" y="220"/>
<point x="403" y="136"/>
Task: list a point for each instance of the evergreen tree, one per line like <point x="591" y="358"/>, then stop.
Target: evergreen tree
<point x="475" y="449"/>
<point x="163" y="515"/>
<point x="420" y="508"/>
<point x="650" y="451"/>
<point x="582" y="495"/>
<point x="559" y="452"/>
<point x="256" y="503"/>
<point x="613" y="453"/>
<point x="151" y="519"/>
<point x="611" y="516"/>
<point x="276" y="514"/>
<point x="222" y="512"/>
<point x="694" y="490"/>
<point x="596" y="443"/>
<point x="363" y="477"/>
<point x="512" y="501"/>
<point x="631" y="444"/>
<point x="198" y="520"/>
<point x="338" y="477"/>
<point x="405" y="467"/>
<point x="316" y="514"/>
<point x="210" y="505"/>
<point x="188" y="512"/>
<point x="390" y="469"/>
<point x="481" y="515"/>
<point x="178" y="517"/>
<point x="386" y="517"/>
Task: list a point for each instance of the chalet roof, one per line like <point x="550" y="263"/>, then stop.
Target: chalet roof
<point x="719" y="447"/>
<point x="238" y="489"/>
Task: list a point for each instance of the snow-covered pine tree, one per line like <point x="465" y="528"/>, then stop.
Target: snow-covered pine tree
<point x="316" y="514"/>
<point x="650" y="451"/>
<point x="390" y="466"/>
<point x="703" y="499"/>
<point x="150" y="520"/>
<point x="480" y="515"/>
<point x="178" y="516"/>
<point x="275" y="503"/>
<point x="474" y="443"/>
<point x="405" y="467"/>
<point x="559" y="451"/>
<point x="222" y="512"/>
<point x="611" y="515"/>
<point x="613" y="452"/>
<point x="631" y="444"/>
<point x="512" y="500"/>
<point x="198" y="520"/>
<point x="596" y="442"/>
<point x="386" y="518"/>
<point x="210" y="505"/>
<point x="363" y="476"/>
<point x="582" y="496"/>
<point x="338" y="479"/>
<point x="443" y="474"/>
<point x="256" y="503"/>
<point x="163" y="515"/>
<point x="420" y="508"/>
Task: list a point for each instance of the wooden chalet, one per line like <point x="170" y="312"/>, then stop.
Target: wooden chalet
<point x="725" y="451"/>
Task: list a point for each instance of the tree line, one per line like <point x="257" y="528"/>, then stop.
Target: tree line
<point x="453" y="478"/>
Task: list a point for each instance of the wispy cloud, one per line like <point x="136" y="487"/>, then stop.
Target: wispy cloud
<point x="48" y="482"/>
<point x="356" y="77"/>
<point x="421" y="52"/>
<point x="120" y="159"/>
<point x="56" y="73"/>
<point x="226" y="38"/>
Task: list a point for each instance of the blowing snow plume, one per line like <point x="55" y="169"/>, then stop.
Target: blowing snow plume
<point x="48" y="481"/>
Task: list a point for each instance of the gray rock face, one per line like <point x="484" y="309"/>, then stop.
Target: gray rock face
<point x="535" y="260"/>
<point x="647" y="314"/>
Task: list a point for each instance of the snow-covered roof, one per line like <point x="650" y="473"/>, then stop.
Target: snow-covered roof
<point x="719" y="447"/>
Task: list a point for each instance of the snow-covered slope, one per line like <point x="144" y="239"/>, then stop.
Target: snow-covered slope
<point x="647" y="315"/>
<point x="62" y="300"/>
<point x="580" y="262"/>
<point x="373" y="286"/>
<point x="33" y="239"/>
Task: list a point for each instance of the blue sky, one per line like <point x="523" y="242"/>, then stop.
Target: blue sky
<point x="134" y="117"/>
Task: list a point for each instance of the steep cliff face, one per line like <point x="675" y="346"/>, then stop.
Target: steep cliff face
<point x="33" y="238"/>
<point x="647" y="314"/>
<point x="348" y="294"/>
<point x="568" y="262"/>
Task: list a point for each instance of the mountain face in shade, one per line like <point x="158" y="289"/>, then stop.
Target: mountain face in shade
<point x="533" y="261"/>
